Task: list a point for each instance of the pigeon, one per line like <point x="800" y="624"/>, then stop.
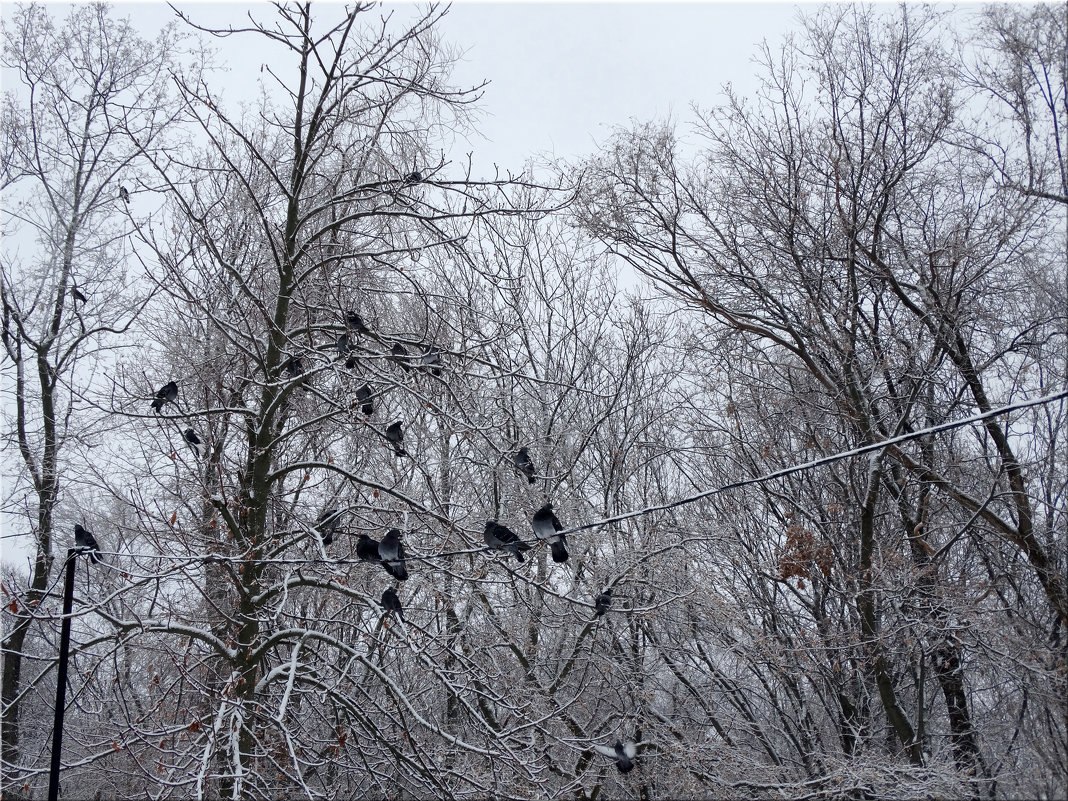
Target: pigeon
<point x="622" y="753"/>
<point x="327" y="525"/>
<point x="602" y="602"/>
<point x="85" y="540"/>
<point x="168" y="393"/>
<point x="365" y="396"/>
<point x="367" y="549"/>
<point x="343" y="344"/>
<point x="391" y="550"/>
<point x="524" y="464"/>
<point x="124" y="194"/>
<point x="78" y="295"/>
<point x="413" y="178"/>
<point x="391" y="602"/>
<point x="355" y="322"/>
<point x="399" y="354"/>
<point x="546" y="525"/>
<point x="351" y="363"/>
<point x="501" y="537"/>
<point x="395" y="437"/>
<point x="191" y="437"/>
<point x="431" y="360"/>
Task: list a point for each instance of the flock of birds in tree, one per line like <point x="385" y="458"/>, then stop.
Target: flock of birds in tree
<point x="389" y="552"/>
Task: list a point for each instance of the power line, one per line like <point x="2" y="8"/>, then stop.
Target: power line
<point x="876" y="446"/>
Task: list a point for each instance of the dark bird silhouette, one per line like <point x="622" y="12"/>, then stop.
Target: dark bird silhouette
<point x="168" y="393"/>
<point x="622" y="753"/>
<point x="431" y="360"/>
<point x="399" y="354"/>
<point x="78" y="296"/>
<point x="355" y="322"/>
<point x="395" y="437"/>
<point x="343" y="345"/>
<point x="365" y="396"/>
<point x="391" y="551"/>
<point x="86" y="542"/>
<point x="524" y="464"/>
<point x="191" y="437"/>
<point x="295" y="369"/>
<point x="602" y="602"/>
<point x="367" y="549"/>
<point x="413" y="178"/>
<point x="124" y="194"/>
<point x="327" y="525"/>
<point x="546" y="525"/>
<point x="351" y="363"/>
<point x="391" y="602"/>
<point x="501" y="537"/>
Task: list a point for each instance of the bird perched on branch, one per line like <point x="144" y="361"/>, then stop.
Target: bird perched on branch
<point x="365" y="396"/>
<point x="124" y="194"/>
<point x="602" y="602"/>
<point x="400" y="355"/>
<point x="355" y="323"/>
<point x="395" y="437"/>
<point x="622" y="753"/>
<point x="524" y="464"/>
<point x="168" y="393"/>
<point x="431" y="360"/>
<point x="546" y="525"/>
<point x="191" y="437"/>
<point x="367" y="549"/>
<point x="391" y="551"/>
<point x="413" y="178"/>
<point x="78" y="296"/>
<point x="86" y="542"/>
<point x="327" y="525"/>
<point x="343" y="344"/>
<point x="391" y="602"/>
<point x="501" y="537"/>
<point x="295" y="369"/>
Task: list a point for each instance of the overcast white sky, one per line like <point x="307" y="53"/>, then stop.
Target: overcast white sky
<point x="563" y="74"/>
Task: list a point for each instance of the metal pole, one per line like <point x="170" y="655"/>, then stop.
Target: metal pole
<point x="61" y="678"/>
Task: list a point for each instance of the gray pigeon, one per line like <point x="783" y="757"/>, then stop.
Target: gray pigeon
<point x="501" y="537"/>
<point x="168" y="393"/>
<point x="327" y="525"/>
<point x="391" y="550"/>
<point x="622" y="753"/>
<point x="124" y="194"/>
<point x="431" y="360"/>
<point x="391" y="602"/>
<point x="86" y="542"/>
<point x="524" y="464"/>
<point x="546" y="525"/>
<point x="395" y="437"/>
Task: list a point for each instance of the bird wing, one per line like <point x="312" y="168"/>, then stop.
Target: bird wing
<point x="604" y="750"/>
<point x="629" y="749"/>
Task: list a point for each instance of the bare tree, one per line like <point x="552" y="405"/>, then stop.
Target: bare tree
<point x="868" y="275"/>
<point x="85" y="85"/>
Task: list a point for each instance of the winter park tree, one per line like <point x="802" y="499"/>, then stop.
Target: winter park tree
<point x="341" y="340"/>
<point x="92" y="98"/>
